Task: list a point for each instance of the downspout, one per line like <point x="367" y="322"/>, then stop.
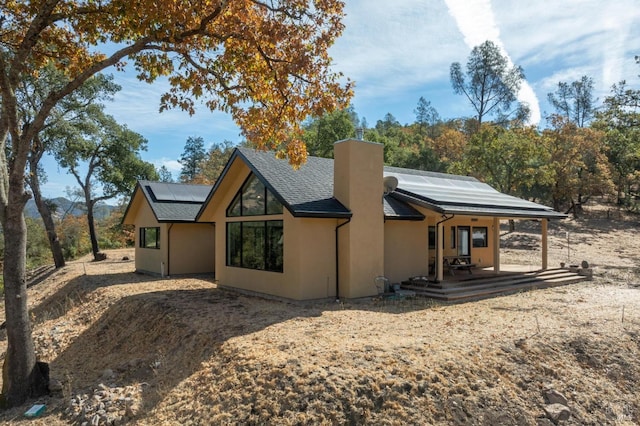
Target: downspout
<point x="337" y="261"/>
<point x="438" y="245"/>
<point x="169" y="249"/>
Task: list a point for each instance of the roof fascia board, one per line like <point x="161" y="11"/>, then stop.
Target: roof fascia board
<point x="322" y="215"/>
<point x="475" y="205"/>
<point x="126" y="212"/>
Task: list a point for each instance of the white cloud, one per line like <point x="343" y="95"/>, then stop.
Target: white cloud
<point x="389" y="48"/>
<point x="171" y="164"/>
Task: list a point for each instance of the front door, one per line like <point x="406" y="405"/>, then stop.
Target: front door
<point x="464" y="241"/>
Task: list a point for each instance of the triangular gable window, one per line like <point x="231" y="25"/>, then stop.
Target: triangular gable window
<point x="254" y="199"/>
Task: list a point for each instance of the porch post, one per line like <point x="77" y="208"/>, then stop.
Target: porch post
<point x="496" y="245"/>
<point x="440" y="251"/>
<point x="544" y="244"/>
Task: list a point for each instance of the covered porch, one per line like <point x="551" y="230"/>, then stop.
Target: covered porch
<point x="463" y="217"/>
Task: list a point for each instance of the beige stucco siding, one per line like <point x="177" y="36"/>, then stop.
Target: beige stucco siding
<point x="283" y="284"/>
<point x="191" y="248"/>
<point x="308" y="249"/>
<point x="313" y="253"/>
<point x="308" y="264"/>
<point x="480" y="256"/>
<point x="405" y="249"/>
<point x="146" y="259"/>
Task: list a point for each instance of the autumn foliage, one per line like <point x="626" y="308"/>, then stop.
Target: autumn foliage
<point x="266" y="63"/>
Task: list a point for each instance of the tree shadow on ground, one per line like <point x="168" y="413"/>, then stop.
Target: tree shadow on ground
<point x="78" y="289"/>
<point x="162" y="338"/>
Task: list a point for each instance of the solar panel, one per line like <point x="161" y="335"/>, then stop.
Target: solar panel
<point x="445" y="190"/>
<point x="179" y="193"/>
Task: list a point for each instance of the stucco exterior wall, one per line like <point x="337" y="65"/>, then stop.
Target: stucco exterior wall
<point x="192" y="247"/>
<point x="481" y="256"/>
<point x="405" y="249"/>
<point x="147" y="259"/>
<point x="282" y="284"/>
<point x="308" y="249"/>
<point x="314" y="247"/>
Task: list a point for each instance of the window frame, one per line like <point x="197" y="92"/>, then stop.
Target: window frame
<point x="272" y="258"/>
<point x="143" y="237"/>
<point x="481" y="229"/>
<point x="239" y="204"/>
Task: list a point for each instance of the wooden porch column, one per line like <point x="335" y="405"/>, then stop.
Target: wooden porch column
<point x="440" y="251"/>
<point x="496" y="245"/>
<point x="544" y="244"/>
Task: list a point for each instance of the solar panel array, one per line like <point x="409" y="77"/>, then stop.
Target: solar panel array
<point x="470" y="192"/>
<point x="180" y="193"/>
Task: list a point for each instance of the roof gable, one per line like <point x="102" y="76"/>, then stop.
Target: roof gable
<point x="306" y="192"/>
<point x="174" y="202"/>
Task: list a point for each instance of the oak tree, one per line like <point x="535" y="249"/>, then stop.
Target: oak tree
<point x="69" y="113"/>
<point x="266" y="63"/>
<point x="103" y="154"/>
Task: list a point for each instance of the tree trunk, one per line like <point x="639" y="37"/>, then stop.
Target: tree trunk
<point x="92" y="230"/>
<point x="49" y="224"/>
<point x="21" y="376"/>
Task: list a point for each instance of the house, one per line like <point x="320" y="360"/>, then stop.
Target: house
<point x="168" y="238"/>
<point x="332" y="226"/>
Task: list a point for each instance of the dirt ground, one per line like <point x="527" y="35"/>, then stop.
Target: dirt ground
<point x="181" y="351"/>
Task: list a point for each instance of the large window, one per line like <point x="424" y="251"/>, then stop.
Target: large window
<point x="479" y="236"/>
<point x="150" y="237"/>
<point x="254" y="199"/>
<point x="255" y="245"/>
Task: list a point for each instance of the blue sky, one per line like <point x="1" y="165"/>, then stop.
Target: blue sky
<point x="398" y="51"/>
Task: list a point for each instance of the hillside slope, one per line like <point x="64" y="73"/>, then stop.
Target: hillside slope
<point x="181" y="351"/>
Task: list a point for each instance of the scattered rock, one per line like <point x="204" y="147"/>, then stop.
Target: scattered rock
<point x="552" y="396"/>
<point x="106" y="405"/>
<point x="557" y="412"/>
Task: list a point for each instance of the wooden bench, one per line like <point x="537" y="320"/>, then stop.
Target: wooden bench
<point x="458" y="263"/>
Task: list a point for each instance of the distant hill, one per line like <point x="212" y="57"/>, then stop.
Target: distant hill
<point x="68" y="207"/>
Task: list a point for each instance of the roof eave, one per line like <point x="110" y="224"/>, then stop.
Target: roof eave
<point x="322" y="215"/>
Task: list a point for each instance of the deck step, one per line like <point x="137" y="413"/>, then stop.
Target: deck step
<point x="481" y="287"/>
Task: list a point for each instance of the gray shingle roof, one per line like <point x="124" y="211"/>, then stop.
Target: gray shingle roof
<point x="174" y="202"/>
<point x="306" y="192"/>
<point x="395" y="209"/>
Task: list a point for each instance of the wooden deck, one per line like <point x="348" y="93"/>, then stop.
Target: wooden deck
<point x="482" y="284"/>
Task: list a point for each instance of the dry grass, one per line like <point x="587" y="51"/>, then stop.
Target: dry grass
<point x="201" y="355"/>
